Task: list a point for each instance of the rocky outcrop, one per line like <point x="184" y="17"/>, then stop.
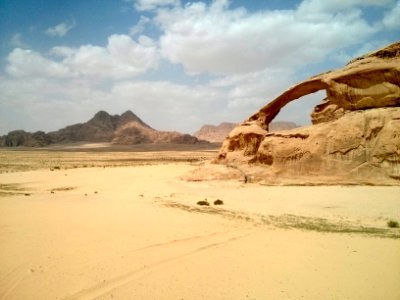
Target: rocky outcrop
<point x="136" y="133"/>
<point x="356" y="133"/>
<point x="101" y="128"/>
<point x="124" y="129"/>
<point x="217" y="134"/>
<point x="22" y="138"/>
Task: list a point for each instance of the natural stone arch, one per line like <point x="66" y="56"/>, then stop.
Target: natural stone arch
<point x="354" y="87"/>
<point x="370" y="81"/>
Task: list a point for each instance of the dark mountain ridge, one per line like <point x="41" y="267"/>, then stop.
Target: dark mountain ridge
<point x="103" y="127"/>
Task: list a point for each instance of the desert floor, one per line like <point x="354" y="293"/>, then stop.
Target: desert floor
<point x="124" y="225"/>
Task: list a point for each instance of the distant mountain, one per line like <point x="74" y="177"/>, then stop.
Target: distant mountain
<point x="22" y="138"/>
<point x="101" y="128"/>
<point x="118" y="129"/>
<point x="215" y="134"/>
<point x="282" y="125"/>
<point x="218" y="133"/>
<point x="140" y="133"/>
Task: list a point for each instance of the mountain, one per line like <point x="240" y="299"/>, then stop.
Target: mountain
<point x="214" y="133"/>
<point x="137" y="133"/>
<point x="117" y="129"/>
<point x="218" y="133"/>
<point x="101" y="128"/>
<point x="22" y="138"/>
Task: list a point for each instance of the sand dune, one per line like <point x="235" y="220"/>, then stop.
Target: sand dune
<point x="136" y="233"/>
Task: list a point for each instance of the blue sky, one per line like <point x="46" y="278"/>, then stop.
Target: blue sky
<point x="176" y="64"/>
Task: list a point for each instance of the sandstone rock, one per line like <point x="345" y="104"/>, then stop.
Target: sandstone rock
<point x="356" y="133"/>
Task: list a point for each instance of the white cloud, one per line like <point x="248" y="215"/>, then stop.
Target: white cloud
<point x="334" y="6"/>
<point x="36" y="103"/>
<point x="16" y="41"/>
<point x="61" y="29"/>
<point x="140" y="26"/>
<point x="28" y="63"/>
<point x="391" y="19"/>
<point x="153" y="4"/>
<point x="123" y="57"/>
<point x="220" y="40"/>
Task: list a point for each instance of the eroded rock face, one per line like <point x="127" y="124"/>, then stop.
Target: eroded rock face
<point x="356" y="133"/>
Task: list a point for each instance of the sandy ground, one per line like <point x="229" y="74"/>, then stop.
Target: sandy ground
<point x="136" y="232"/>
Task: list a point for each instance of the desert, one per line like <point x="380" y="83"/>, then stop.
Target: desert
<point x="190" y="150"/>
<point x="86" y="224"/>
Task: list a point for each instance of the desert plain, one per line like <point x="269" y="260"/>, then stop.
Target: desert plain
<point x="91" y="222"/>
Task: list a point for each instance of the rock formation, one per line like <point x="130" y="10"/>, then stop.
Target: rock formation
<point x="22" y="138"/>
<point x="136" y="133"/>
<point x="217" y="134"/>
<point x="355" y="137"/>
<point x="100" y="128"/>
<point x="124" y="129"/>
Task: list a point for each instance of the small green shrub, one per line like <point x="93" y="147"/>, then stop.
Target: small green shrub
<point x="393" y="224"/>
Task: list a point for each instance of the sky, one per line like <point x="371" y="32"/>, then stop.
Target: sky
<point x="176" y="64"/>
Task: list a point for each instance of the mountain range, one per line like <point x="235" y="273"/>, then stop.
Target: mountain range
<point x="124" y="129"/>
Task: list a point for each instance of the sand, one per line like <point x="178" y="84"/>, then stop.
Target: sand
<point x="135" y="232"/>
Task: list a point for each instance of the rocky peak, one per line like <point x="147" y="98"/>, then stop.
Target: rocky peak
<point x="129" y="116"/>
<point x="101" y="116"/>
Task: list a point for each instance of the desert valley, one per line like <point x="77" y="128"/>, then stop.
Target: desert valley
<point x="115" y="209"/>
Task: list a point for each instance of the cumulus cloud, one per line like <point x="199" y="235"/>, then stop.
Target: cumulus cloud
<point x="311" y="7"/>
<point x="140" y="26"/>
<point x="391" y="19"/>
<point x="60" y="29"/>
<point x="16" y="41"/>
<point x="216" y="39"/>
<point x="153" y="4"/>
<point x="121" y="58"/>
<point x="28" y="63"/>
<point x="37" y="103"/>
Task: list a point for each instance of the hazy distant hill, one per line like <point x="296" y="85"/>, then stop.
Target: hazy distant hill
<point x="119" y="129"/>
<point x="218" y="133"/>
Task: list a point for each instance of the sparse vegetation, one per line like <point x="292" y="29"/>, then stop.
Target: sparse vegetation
<point x="203" y="203"/>
<point x="141" y="155"/>
<point x="218" y="202"/>
<point x="287" y="221"/>
<point x="63" y="189"/>
<point x="393" y="224"/>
